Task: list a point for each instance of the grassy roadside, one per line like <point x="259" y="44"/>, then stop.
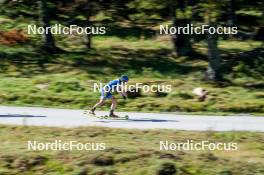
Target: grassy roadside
<point x="66" y="80"/>
<point x="29" y="77"/>
<point x="131" y="152"/>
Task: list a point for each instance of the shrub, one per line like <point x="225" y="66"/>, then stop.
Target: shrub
<point x="12" y="37"/>
<point x="166" y="169"/>
<point x="182" y="94"/>
<point x="66" y="86"/>
<point x="103" y="160"/>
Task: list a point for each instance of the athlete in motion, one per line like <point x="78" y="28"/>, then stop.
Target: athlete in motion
<point x="106" y="93"/>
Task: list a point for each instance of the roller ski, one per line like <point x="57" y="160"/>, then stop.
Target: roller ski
<point x="113" y="116"/>
<point x="91" y="114"/>
<point x="110" y="116"/>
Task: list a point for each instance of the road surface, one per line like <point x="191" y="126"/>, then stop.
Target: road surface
<point x="75" y="118"/>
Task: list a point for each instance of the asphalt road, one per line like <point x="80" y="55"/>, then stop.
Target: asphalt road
<point x="75" y="118"/>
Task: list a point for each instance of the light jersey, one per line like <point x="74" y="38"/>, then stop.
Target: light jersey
<point x="112" y="85"/>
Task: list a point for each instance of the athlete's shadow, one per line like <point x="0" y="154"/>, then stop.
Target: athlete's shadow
<point x="137" y="120"/>
<point x="20" y="115"/>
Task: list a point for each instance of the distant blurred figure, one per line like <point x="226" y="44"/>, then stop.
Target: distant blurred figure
<point x="201" y="93"/>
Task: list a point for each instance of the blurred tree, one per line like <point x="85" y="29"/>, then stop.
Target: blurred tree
<point x="211" y="15"/>
<point x="179" y="11"/>
<point x="181" y="42"/>
<point x="88" y="9"/>
<point x="38" y="10"/>
<point x="83" y="13"/>
<point x="48" y="40"/>
<point x="246" y="14"/>
<point x="231" y="13"/>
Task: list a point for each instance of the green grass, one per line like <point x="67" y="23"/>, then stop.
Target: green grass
<point x="67" y="77"/>
<point x="131" y="152"/>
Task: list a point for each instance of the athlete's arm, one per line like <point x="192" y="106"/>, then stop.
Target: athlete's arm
<point x="121" y="90"/>
<point x="124" y="95"/>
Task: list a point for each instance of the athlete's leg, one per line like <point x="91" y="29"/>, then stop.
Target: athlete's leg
<point x="113" y="107"/>
<point x="100" y="103"/>
<point x="103" y="97"/>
